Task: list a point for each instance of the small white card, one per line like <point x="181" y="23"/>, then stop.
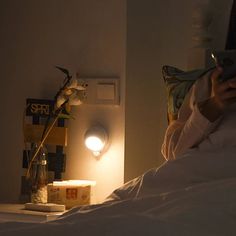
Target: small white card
<point x="47" y="207"/>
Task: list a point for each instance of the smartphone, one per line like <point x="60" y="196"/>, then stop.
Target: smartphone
<point x="227" y="60"/>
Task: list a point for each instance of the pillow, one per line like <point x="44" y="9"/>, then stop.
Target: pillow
<point x="178" y="83"/>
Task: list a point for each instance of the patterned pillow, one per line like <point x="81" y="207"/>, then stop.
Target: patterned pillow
<point x="178" y="83"/>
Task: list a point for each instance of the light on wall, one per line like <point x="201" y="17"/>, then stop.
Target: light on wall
<point x="96" y="139"/>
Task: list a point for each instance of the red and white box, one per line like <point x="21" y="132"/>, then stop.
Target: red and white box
<point x="70" y="192"/>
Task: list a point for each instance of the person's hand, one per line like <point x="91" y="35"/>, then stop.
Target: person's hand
<point x="223" y="94"/>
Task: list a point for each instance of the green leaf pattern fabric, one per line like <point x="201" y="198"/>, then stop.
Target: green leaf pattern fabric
<point x="178" y="83"/>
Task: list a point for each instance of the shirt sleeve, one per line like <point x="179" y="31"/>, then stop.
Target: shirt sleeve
<point x="191" y="127"/>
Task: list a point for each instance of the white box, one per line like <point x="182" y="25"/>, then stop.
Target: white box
<point x="70" y="193"/>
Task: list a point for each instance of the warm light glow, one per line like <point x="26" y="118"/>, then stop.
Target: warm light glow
<point x="95" y="140"/>
<point x="74" y="183"/>
<point x="94" y="143"/>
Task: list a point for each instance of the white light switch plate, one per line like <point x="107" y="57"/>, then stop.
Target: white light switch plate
<point x="103" y="91"/>
<point x="106" y="91"/>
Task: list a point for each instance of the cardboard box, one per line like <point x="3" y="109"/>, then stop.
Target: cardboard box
<point x="70" y="193"/>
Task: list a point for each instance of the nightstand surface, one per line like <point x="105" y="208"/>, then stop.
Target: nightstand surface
<point x="16" y="212"/>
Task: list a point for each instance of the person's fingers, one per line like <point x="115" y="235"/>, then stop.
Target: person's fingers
<point x="215" y="75"/>
<point x="221" y="87"/>
<point x="229" y="94"/>
<point x="224" y="92"/>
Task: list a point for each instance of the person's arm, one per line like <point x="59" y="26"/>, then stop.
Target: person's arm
<point x="186" y="132"/>
<point x="199" y="115"/>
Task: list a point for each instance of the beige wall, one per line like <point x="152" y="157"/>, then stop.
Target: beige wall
<point x="157" y="34"/>
<point x="85" y="36"/>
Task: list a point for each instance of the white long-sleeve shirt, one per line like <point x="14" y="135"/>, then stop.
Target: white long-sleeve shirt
<point x="191" y="128"/>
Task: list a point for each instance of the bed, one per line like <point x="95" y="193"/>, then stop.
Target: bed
<point x="193" y="195"/>
<point x="181" y="197"/>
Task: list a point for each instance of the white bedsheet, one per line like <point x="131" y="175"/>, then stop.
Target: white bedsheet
<point x="195" y="195"/>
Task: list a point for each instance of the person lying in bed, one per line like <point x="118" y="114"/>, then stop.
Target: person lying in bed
<point x="206" y="119"/>
<point x="199" y="146"/>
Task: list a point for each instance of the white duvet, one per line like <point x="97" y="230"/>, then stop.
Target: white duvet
<point x="194" y="195"/>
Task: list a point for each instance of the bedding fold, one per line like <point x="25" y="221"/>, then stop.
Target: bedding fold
<point x="193" y="195"/>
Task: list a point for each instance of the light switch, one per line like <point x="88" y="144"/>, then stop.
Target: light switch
<point x="101" y="91"/>
<point x="105" y="91"/>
